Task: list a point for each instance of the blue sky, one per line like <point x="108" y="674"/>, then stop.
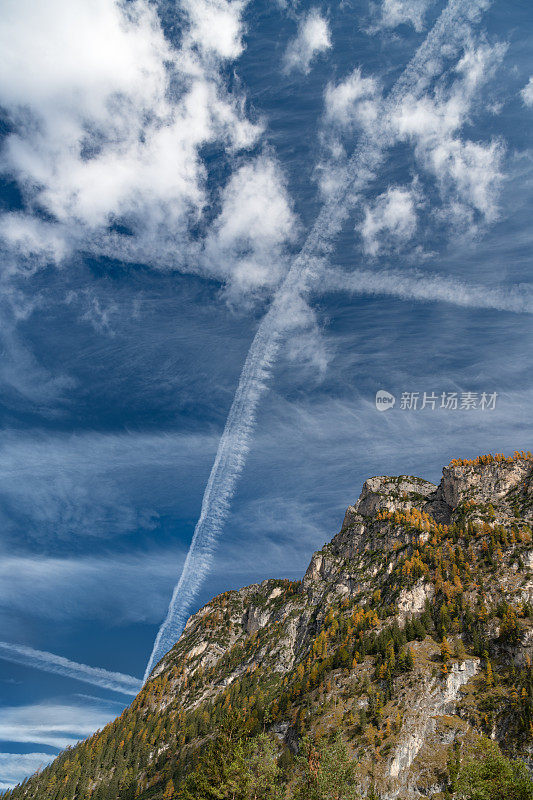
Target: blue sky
<point x="163" y="166"/>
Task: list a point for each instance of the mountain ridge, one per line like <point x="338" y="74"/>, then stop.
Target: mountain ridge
<point x="411" y="632"/>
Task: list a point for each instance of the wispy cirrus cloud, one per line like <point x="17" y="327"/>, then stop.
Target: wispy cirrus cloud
<point x="53" y="724"/>
<point x="68" y="485"/>
<point x="123" y="587"/>
<point x="14" y="767"/>
<point x="22" y="376"/>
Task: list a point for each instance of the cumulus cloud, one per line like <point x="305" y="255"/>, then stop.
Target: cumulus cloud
<point x="527" y="93"/>
<point x="391" y="219"/>
<point x="79" y="105"/>
<point x="216" y="26"/>
<point x="468" y="173"/>
<point x="98" y="131"/>
<point x="392" y="13"/>
<point x="110" y="120"/>
<point x="31" y="242"/>
<point x="246" y="241"/>
<point x="471" y="171"/>
<point x="312" y="38"/>
<point x="352" y="101"/>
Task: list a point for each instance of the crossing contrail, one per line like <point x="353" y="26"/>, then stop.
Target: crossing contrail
<point x="49" y="662"/>
<point x="447" y="36"/>
<point x="416" y="285"/>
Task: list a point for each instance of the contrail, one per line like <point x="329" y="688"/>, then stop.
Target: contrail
<point x="449" y="33"/>
<point x="417" y="285"/>
<point x="49" y="662"/>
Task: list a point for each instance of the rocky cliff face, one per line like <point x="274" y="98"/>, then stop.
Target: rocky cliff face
<point x="411" y="630"/>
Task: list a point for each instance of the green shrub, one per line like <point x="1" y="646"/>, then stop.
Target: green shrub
<point x="486" y="774"/>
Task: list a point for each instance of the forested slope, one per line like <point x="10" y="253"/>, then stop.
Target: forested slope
<point x="400" y="666"/>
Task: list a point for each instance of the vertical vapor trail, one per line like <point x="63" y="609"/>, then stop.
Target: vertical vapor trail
<point x="48" y="662"/>
<point x="448" y="34"/>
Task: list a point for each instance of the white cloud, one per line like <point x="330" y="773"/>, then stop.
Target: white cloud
<point x="78" y="79"/>
<point x="468" y="174"/>
<point x="305" y="345"/>
<point x="427" y="287"/>
<point x="128" y="60"/>
<point x="121" y="589"/>
<point x="113" y="130"/>
<point x="247" y="238"/>
<point x="32" y="241"/>
<point x="354" y="100"/>
<point x="50" y="724"/>
<point x="51" y="662"/>
<point x="471" y="171"/>
<point x="110" y="118"/>
<point x="313" y="37"/>
<point x="97" y="312"/>
<point x="390" y="220"/>
<point x="309" y="350"/>
<point x="478" y="64"/>
<point x="392" y="13"/>
<point x="14" y="767"/>
<point x="426" y="119"/>
<point x="216" y="25"/>
<point x="93" y="484"/>
<point x="21" y="376"/>
<point x="527" y="93"/>
<point x="330" y="172"/>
